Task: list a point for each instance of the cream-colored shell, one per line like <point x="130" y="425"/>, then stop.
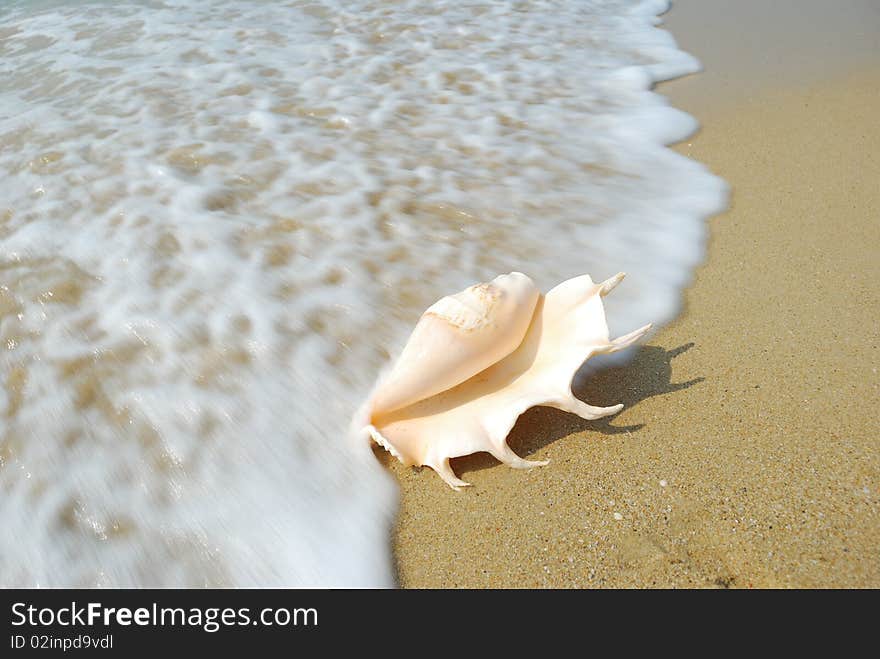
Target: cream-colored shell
<point x="456" y="338"/>
<point x="490" y="390"/>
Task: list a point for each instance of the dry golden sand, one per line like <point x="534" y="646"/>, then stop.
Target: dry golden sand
<point x="747" y="455"/>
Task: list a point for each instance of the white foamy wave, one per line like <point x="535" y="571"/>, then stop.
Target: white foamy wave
<point x="216" y="219"/>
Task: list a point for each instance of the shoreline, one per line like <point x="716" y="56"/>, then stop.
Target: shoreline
<point x="746" y="455"/>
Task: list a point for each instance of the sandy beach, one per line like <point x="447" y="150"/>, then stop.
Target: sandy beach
<point x="747" y="453"/>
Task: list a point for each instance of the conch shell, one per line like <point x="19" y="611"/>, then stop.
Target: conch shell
<point x="478" y="359"/>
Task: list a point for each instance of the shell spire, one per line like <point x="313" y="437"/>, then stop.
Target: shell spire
<point x="460" y="385"/>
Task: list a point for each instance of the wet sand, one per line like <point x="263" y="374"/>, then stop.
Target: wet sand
<point x="748" y="454"/>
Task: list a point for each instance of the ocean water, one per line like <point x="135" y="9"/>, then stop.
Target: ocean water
<point x="219" y="220"/>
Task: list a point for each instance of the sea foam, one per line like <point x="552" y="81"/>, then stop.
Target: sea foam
<point x="218" y="219"/>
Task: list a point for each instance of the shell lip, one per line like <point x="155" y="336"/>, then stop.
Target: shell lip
<point x="384" y="443"/>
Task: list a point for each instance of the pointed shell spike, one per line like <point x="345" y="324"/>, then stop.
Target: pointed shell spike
<point x="611" y="283"/>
